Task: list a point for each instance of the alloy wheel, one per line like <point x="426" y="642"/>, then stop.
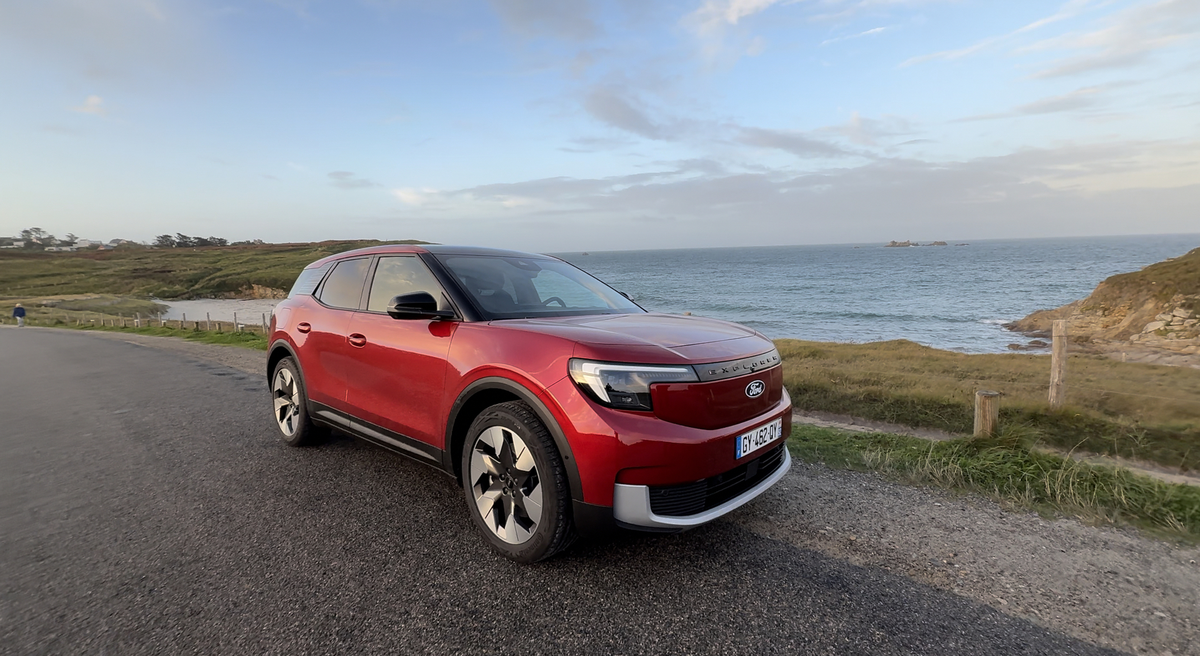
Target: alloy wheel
<point x="286" y="400"/>
<point x="506" y="486"/>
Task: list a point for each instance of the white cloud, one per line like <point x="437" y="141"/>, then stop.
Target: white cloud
<point x="871" y="32"/>
<point x="620" y="110"/>
<point x="714" y="15"/>
<point x="112" y="39"/>
<point x="349" y="181"/>
<point x="1083" y="98"/>
<point x="1069" y="10"/>
<point x="1125" y="39"/>
<point x="870" y="131"/>
<point x="93" y="105"/>
<point x="415" y="197"/>
<point x="564" y="19"/>
<point x="797" y="143"/>
<point x="1073" y="189"/>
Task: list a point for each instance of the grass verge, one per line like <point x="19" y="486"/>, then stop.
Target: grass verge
<point x="1009" y="470"/>
<point x="1140" y="411"/>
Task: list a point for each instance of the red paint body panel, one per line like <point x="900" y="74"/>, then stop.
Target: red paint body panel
<point x="323" y="350"/>
<point x="717" y="404"/>
<point x="408" y="375"/>
<point x="396" y="379"/>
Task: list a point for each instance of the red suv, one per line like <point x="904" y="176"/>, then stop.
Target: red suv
<point x="559" y="404"/>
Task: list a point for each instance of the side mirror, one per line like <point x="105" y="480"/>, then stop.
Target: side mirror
<point x="417" y="305"/>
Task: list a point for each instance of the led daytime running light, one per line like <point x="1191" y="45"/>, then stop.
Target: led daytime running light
<point x="632" y="380"/>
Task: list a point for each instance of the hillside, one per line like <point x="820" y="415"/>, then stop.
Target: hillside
<point x="1156" y="307"/>
<point x="262" y="271"/>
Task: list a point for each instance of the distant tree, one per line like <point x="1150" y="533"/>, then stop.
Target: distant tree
<point x="70" y="239"/>
<point x="164" y="241"/>
<point x="184" y="241"/>
<point x="218" y="241"/>
<point x="36" y="237"/>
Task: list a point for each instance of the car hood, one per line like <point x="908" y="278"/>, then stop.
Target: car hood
<point x="691" y="338"/>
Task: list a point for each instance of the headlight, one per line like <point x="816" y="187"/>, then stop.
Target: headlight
<point x="625" y="386"/>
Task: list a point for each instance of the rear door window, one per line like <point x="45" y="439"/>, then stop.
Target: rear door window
<point x="343" y="287"/>
<point x="400" y="275"/>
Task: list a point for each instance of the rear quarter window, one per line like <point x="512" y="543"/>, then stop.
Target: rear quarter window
<point x="308" y="280"/>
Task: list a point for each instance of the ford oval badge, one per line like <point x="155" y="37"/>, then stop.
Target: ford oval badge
<point x="755" y="389"/>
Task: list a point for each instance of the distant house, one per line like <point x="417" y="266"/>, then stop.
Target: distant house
<point x="16" y="244"/>
<point x="61" y="249"/>
<point x="86" y="243"/>
<point x="117" y="242"/>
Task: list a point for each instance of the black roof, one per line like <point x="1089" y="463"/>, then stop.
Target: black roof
<point x="441" y="249"/>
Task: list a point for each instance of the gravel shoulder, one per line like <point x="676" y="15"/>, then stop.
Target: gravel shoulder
<point x="1110" y="587"/>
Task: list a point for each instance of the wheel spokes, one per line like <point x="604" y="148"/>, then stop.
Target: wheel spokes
<point x="285" y="401"/>
<point x="504" y="481"/>
<point x="531" y="504"/>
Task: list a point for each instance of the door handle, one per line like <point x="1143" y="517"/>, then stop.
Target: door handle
<point x="357" y="339"/>
<point x="303" y="326"/>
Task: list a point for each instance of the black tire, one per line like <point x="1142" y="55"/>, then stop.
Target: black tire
<point x="503" y="506"/>
<point x="289" y="406"/>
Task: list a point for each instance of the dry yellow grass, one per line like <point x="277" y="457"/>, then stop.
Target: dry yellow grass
<point x="1137" y="410"/>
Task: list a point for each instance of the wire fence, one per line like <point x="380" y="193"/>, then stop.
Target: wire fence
<point x="258" y="324"/>
<point x="854" y="374"/>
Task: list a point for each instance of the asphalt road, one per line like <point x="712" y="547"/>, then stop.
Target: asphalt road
<point x="146" y="506"/>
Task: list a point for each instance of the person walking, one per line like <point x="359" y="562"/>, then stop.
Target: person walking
<point x="19" y="315"/>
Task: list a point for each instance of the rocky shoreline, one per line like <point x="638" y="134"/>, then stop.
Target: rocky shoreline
<point x="1152" y="315"/>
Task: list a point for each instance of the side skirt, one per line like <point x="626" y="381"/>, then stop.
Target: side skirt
<point x="377" y="435"/>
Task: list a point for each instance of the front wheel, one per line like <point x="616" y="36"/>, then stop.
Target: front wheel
<point x="516" y="485"/>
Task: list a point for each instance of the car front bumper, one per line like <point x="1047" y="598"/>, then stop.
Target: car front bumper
<point x="633" y="508"/>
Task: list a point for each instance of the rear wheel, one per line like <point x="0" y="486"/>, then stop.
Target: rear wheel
<point x="289" y="406"/>
<point x="516" y="485"/>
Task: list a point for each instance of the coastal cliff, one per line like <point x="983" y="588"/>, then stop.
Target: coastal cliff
<point x="1157" y="308"/>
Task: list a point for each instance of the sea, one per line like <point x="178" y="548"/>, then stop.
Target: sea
<point x="954" y="297"/>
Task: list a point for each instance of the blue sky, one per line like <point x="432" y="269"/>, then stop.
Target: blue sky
<point x="558" y="125"/>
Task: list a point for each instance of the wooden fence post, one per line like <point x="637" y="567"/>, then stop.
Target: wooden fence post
<point x="137" y="321"/>
<point x="207" y="321"/>
<point x="987" y="413"/>
<point x="1058" y="365"/>
<point x="235" y="324"/>
<point x="264" y="323"/>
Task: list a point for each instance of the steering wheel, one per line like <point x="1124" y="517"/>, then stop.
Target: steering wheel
<point x="554" y="299"/>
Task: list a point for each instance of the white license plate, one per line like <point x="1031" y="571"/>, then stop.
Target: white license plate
<point x="759" y="437"/>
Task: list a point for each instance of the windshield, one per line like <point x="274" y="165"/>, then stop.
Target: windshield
<point x="515" y="288"/>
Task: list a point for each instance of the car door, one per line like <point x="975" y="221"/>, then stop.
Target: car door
<point x="396" y="376"/>
<point x="324" y="352"/>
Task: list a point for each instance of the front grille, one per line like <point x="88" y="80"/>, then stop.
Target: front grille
<point x="692" y="498"/>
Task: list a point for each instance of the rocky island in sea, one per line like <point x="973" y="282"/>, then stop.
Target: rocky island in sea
<point x="906" y="244"/>
<point x="1152" y="315"/>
